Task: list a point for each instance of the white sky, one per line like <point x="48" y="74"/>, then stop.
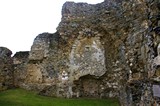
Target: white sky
<point x="22" y="20"/>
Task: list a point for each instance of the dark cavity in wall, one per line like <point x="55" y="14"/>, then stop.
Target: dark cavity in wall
<point x="87" y="86"/>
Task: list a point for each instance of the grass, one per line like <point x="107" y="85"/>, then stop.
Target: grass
<point x="20" y="97"/>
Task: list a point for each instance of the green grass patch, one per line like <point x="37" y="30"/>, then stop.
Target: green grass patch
<point x="20" y="97"/>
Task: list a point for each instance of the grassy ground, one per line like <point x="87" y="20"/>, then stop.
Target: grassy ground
<point x="19" y="97"/>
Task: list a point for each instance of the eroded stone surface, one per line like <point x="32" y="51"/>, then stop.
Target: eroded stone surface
<point x="87" y="58"/>
<point x="110" y="49"/>
<point x="20" y="60"/>
<point x="6" y="69"/>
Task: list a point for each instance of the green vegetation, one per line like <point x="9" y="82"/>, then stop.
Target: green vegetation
<point x="20" y="97"/>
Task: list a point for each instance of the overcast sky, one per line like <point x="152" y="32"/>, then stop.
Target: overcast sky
<point x="22" y="20"/>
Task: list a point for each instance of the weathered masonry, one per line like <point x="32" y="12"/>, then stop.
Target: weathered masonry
<point x="111" y="49"/>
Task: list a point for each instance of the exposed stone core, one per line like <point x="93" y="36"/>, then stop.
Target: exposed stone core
<point x="110" y="49"/>
<point x="20" y="61"/>
<point x="6" y="69"/>
<point x="87" y="57"/>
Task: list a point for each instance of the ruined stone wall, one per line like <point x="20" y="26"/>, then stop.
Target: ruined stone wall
<point x="20" y="61"/>
<point x="119" y="34"/>
<point x="6" y="69"/>
<point x="41" y="66"/>
<point x="110" y="49"/>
